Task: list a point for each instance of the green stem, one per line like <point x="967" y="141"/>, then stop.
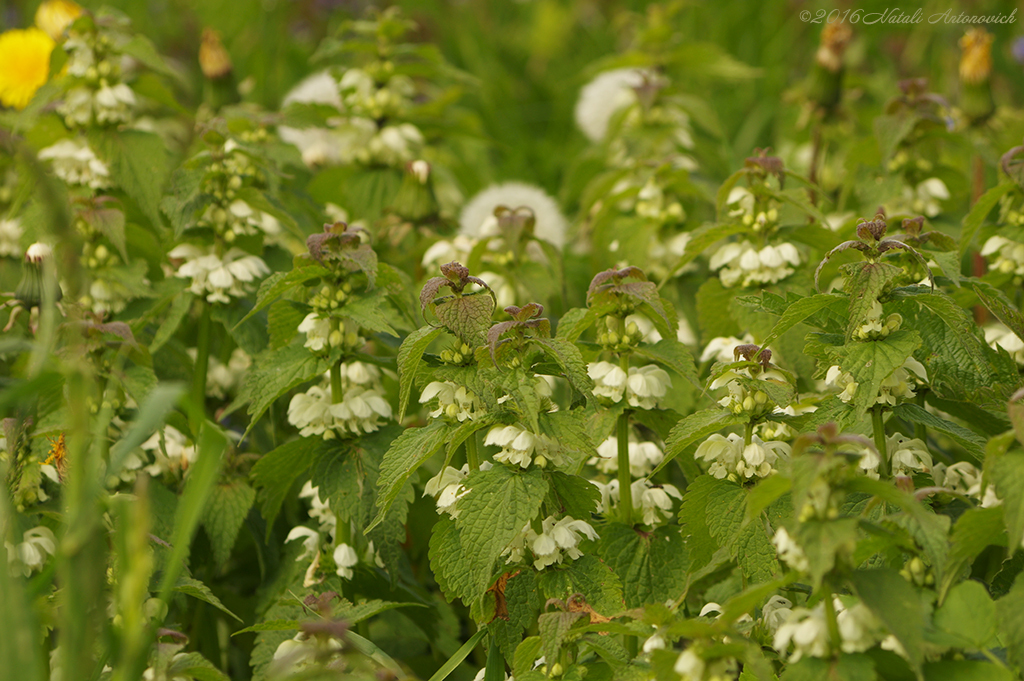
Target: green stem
<point x="878" y="426"/>
<point x="336" y="391"/>
<point x="920" y="430"/>
<point x="202" y="356"/>
<point x="748" y="434"/>
<point x="472" y="454"/>
<point x="625" y="478"/>
<point x="832" y="621"/>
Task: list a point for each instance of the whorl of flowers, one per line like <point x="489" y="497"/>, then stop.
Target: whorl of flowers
<point x="454" y="401"/>
<point x="641" y="387"/>
<point x="745" y="265"/>
<point x="899" y="385"/>
<point x="477" y="218"/>
<point x="643" y="456"/>
<point x="361" y="408"/>
<point x="218" y="278"/>
<point x="75" y="163"/>
<point x="519" y="446"/>
<point x="557" y="541"/>
<point x="1005" y="255"/>
<point x="729" y="457"/>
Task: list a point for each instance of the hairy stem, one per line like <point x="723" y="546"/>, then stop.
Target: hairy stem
<point x="832" y="621"/>
<point x="748" y="434"/>
<point x="625" y="478"/>
<point x="472" y="455"/>
<point x="336" y="390"/>
<point x="878" y="426"/>
<point x="202" y="356"/>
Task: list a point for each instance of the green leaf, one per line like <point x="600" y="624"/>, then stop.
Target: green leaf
<point x="140" y="47"/>
<point x="527" y="653"/>
<point x="965" y="670"/>
<point x="270" y="625"/>
<point x="968" y="616"/>
<point x="868" y="281"/>
<point x="194" y="665"/>
<point x="696" y="427"/>
<point x="975" y="529"/>
<point x="673" y="355"/>
<point x="693" y="517"/>
<point x="275" y="372"/>
<point x="1010" y="617"/>
<point x="283" y="319"/>
<point x="822" y="541"/>
<point x="755" y="553"/>
<point x="960" y="322"/>
<point x="982" y="207"/>
<point x="651" y="566"/>
<point x="568" y="357"/>
<point x="368" y="312"/>
<point x="172" y="320"/>
<point x="568" y="430"/>
<point x="467" y="316"/>
<point x="800" y="310"/>
<point x="572" y="495"/>
<point x="1008" y="476"/>
<point x="573" y="323"/>
<point x="225" y="511"/>
<point x="409" y="355"/>
<point x="587" y="576"/>
<point x="997" y="303"/>
<point x="250" y="335"/>
<point x="871" y="362"/>
<point x="848" y="667"/>
<point x="897" y="604"/>
<point x="891" y="129"/>
<point x="196" y="589"/>
<point x="138" y="164"/>
<point x="553" y="627"/>
<point x="461" y="654"/>
<point x="407" y="453"/>
<point x="276" y="472"/>
<point x="973" y="443"/>
<point x="279" y="283"/>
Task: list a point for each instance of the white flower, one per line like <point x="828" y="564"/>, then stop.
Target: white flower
<point x="317" y="330"/>
<point x="551" y="225"/>
<point x="925" y="197"/>
<point x="75" y="163"/>
<point x="741" y="263"/>
<point x="907" y="456"/>
<point x="10" y="235"/>
<point x="859" y="629"/>
<point x="218" y="278"/>
<point x="775" y="612"/>
<point x="602" y="97"/>
<point x="1009" y="255"/>
<point x="30" y="555"/>
<point x="789" y="551"/>
<point x="171" y="451"/>
<point x="310" y="541"/>
<point x="114" y="104"/>
<point x="319" y="88"/>
<point x="447" y="488"/>
<point x="843" y="380"/>
<point x="447" y="250"/>
<point x="806" y="630"/>
<point x="310" y="413"/>
<point x="319" y="510"/>
<point x="643" y="456"/>
<point x="646" y="385"/>
<point x="728" y="456"/>
<point x="723" y="453"/>
<point x="609" y="380"/>
<point x="654" y="501"/>
<point x="690" y="666"/>
<point x="345" y="558"/>
<point x="558" y="538"/>
<point x="453" y="400"/>
<point x="222" y="379"/>
<point x="360" y="410"/>
<point x="721" y="348"/>
<point x="961" y="476"/>
<point x="998" y="336"/>
<point x="654" y="642"/>
<point x="518" y="444"/>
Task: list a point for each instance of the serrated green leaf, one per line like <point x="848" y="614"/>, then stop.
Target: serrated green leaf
<point x="572" y="495"/>
<point x="573" y="323"/>
<point x="527" y="653"/>
<point x="409" y="355"/>
<point x="755" y="553"/>
<point x="587" y="576"/>
<point x="249" y="335"/>
<point x="713" y="302"/>
<point x="407" y="453"/>
<point x="673" y="355"/>
<point x="866" y="283"/>
<point x="965" y="670"/>
<point x="468" y="317"/>
<point x="693" y="518"/>
<point x="568" y="357"/>
<point x="196" y="589"/>
<point x="726" y="506"/>
<point x="800" y="310"/>
<point x="895" y="602"/>
<point x="696" y="427"/>
<point x="972" y="443"/>
<point x="283" y="319"/>
<point x="141" y="48"/>
<point x="194" y="665"/>
<point x="138" y="164"/>
<point x="368" y="312"/>
<point x="651" y="566"/>
<point x="225" y="511"/>
<point x="279" y="283"/>
<point x="1010" y="618"/>
<point x="553" y="627"/>
<point x="968" y="616"/>
<point x="1008" y="476"/>
<point x="822" y="541"/>
<point x="871" y="362"/>
<point x="275" y="372"/>
<point x="570" y="435"/>
<point x="982" y="207"/>
<point x="974" y="531"/>
<point x="996" y="302"/>
<point x="276" y="472"/>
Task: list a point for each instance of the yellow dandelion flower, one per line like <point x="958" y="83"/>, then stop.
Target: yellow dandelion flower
<point x="975" y="56"/>
<point x="53" y="16"/>
<point x="213" y="58"/>
<point x="25" y="55"/>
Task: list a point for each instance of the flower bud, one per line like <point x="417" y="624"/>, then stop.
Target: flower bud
<point x="336" y="338"/>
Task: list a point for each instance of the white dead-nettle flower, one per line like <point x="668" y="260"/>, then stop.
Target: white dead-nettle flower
<point x="998" y="336"/>
<point x="454" y="401"/>
<point x="319" y="88"/>
<point x="76" y="107"/>
<point x="446" y="487"/>
<point x="75" y="163"/>
<point x="1005" y="255"/>
<point x="609" y="380"/>
<point x="345" y="557"/>
<point x="319" y="510"/>
<point x="605" y="95"/>
<point x="899" y="385"/>
<point x="518" y="445"/>
<point x="961" y="476"/>
<point x="317" y="330"/>
<point x="807" y="630"/>
<point x="654" y="501"/>
<point x="720" y="349"/>
<point x="317" y="145"/>
<point x="218" y="278"/>
<point x="775" y="612"/>
<point x="558" y="540"/>
<point x="114" y="104"/>
<point x="643" y="456"/>
<point x="80" y="56"/>
<point x="444" y="251"/>
<point x="30" y="555"/>
<point x="728" y="456"/>
<point x="641" y="386"/>
<point x="789" y="551"/>
<point x="249" y="221"/>
<point x="421" y="170"/>
<point x="907" y="455"/>
<point x="859" y="629"/>
<point x="310" y="541"/>
<point x="359" y="411"/>
<point x="10" y="236"/>
<point x="171" y="451"/>
<point x="393" y="145"/>
<point x="925" y="197"/>
<point x="222" y="379"/>
<point x="690" y="666"/>
<point x="744" y="265"/>
<point x="477" y="218"/>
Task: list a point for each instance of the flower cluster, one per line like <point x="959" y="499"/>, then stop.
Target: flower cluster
<point x="652" y="501"/>
<point x="557" y="541"/>
<point x="874" y="328"/>
<point x="641" y="387"/>
<point x="520" y="447"/>
<point x="31" y="553"/>
<point x="454" y="401"/>
<point x="1005" y="255"/>
<point x="218" y="277"/>
<point x="906" y="456"/>
<point x="898" y="386"/>
<point x="75" y="163"/>
<point x="643" y="456"/>
<point x="745" y="265"/>
<point x="171" y="451"/>
<point x="730" y="458"/>
<point x="359" y="409"/>
<point x="807" y="630"/>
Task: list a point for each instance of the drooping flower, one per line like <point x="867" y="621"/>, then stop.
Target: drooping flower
<point x="454" y="401"/>
<point x="518" y="445"/>
<point x="1008" y="255"/>
<point x="25" y="55"/>
<point x="171" y="451"/>
<point x="30" y="555"/>
<point x="345" y="557"/>
<point x="789" y="551"/>
<point x="609" y="380"/>
<point x="744" y="265"/>
<point x="997" y="336"/>
<point x="218" y="278"/>
<point x="559" y="539"/>
<point x="643" y="456"/>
